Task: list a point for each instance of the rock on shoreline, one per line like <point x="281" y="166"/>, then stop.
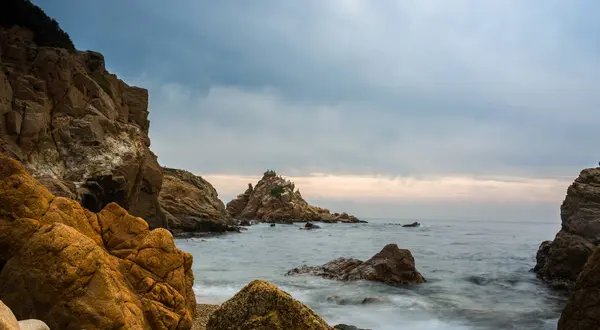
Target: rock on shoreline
<point x="560" y="262"/>
<point x="391" y="266"/>
<point x="275" y="199"/>
<point x="583" y="308"/>
<point x="76" y="269"/>
<point x="262" y="305"/>
<point x="191" y="204"/>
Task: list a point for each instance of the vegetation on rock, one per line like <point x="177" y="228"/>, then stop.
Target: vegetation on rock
<point x="46" y="30"/>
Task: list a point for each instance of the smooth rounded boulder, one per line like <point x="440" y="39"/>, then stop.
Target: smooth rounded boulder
<point x="261" y="305"/>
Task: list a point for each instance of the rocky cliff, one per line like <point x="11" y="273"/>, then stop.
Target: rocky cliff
<point x="274" y="199"/>
<point x="191" y="204"/>
<point x="560" y="262"/>
<point x="583" y="308"/>
<point x="76" y="269"/>
<point x="77" y="128"/>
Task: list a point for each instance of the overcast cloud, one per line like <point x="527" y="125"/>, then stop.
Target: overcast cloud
<point x="435" y="91"/>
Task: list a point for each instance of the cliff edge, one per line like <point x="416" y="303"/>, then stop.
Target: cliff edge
<point x="80" y="130"/>
<point x="560" y="262"/>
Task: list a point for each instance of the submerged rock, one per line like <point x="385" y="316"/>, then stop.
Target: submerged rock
<point x="391" y="265"/>
<point x="559" y="262"/>
<point x="75" y="269"/>
<point x="74" y="125"/>
<point x="583" y="308"/>
<point x="347" y="327"/>
<point x="414" y="224"/>
<point x="191" y="204"/>
<point x="262" y="305"/>
<point x="275" y="199"/>
<point x="309" y="226"/>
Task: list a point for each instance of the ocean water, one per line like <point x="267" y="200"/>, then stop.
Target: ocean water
<point x="478" y="273"/>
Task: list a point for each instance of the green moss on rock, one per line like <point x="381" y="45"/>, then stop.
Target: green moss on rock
<point x="261" y="305"/>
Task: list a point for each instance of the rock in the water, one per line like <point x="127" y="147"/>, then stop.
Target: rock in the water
<point x="274" y="199"/>
<point x="391" y="265"/>
<point x="272" y="225"/>
<point x="583" y="308"/>
<point x="8" y="321"/>
<point x="262" y="305"/>
<point x="71" y="122"/>
<point x="75" y="269"/>
<point x="310" y="225"/>
<point x="347" y="327"/>
<point x="414" y="224"/>
<point x="559" y="262"/>
<point x="192" y="204"/>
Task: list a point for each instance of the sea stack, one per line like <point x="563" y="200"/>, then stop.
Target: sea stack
<point x="275" y="199"/>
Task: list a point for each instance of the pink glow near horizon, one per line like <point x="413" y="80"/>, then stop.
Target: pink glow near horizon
<point x="408" y="189"/>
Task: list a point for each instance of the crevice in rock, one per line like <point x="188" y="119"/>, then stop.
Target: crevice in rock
<point x="102" y="190"/>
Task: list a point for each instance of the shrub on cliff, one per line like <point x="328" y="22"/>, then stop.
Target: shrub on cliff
<point x="45" y="29"/>
<point x="277" y="191"/>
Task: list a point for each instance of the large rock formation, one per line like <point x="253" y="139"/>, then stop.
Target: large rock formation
<point x="583" y="308"/>
<point x="274" y="199"/>
<point x="261" y="305"/>
<point x="391" y="265"/>
<point x="76" y="269"/>
<point x="559" y="262"/>
<point x="79" y="129"/>
<point x="191" y="204"/>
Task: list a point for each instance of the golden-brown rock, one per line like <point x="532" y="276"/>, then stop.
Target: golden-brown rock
<point x="261" y="305"/>
<point x="69" y="121"/>
<point x="274" y="199"/>
<point x="75" y="269"/>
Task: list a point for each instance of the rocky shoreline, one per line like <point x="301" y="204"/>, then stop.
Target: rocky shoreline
<point x="88" y="216"/>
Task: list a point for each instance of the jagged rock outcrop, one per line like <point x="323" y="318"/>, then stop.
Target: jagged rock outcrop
<point x="76" y="269"/>
<point x="583" y="308"/>
<point x="76" y="127"/>
<point x="559" y="262"/>
<point x="191" y="204"/>
<point x="274" y="199"/>
<point x="262" y="305"/>
<point x="391" y="265"/>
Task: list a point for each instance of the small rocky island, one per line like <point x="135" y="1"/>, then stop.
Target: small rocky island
<point x="391" y="265"/>
<point x="275" y="199"/>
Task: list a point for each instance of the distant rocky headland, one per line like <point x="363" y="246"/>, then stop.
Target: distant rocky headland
<point x="275" y="199"/>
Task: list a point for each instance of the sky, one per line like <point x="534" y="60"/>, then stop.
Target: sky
<point x="401" y="109"/>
